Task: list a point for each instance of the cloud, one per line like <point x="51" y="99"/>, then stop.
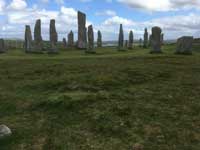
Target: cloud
<point x="18" y="5"/>
<point x="161" y="5"/>
<point x="106" y="13"/>
<point x="116" y="20"/>
<point x="2" y="5"/>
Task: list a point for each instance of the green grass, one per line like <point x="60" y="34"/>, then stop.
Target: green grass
<point x="107" y="101"/>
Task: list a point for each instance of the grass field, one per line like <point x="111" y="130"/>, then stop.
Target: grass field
<point x="107" y="101"/>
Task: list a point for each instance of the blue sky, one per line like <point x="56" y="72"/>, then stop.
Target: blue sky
<point x="175" y="17"/>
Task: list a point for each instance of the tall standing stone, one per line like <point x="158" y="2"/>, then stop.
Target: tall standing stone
<point x="64" y="42"/>
<point x="130" y="44"/>
<point x="156" y="40"/>
<point x="90" y="40"/>
<point x="71" y="39"/>
<point x="145" y="44"/>
<point x="38" y="43"/>
<point x="99" y="39"/>
<point x="28" y="40"/>
<point x="121" y="38"/>
<point x="53" y="37"/>
<point x="184" y="45"/>
<point x="82" y="32"/>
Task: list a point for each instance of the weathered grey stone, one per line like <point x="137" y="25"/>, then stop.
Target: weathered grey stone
<point x="156" y="40"/>
<point x="4" y="131"/>
<point x="38" y="43"/>
<point x="90" y="40"/>
<point x="2" y="46"/>
<point x="53" y="37"/>
<point x="99" y="39"/>
<point x="130" y="44"/>
<point x="121" y="38"/>
<point x="82" y="32"/>
<point x="71" y="39"/>
<point x="140" y="42"/>
<point x="145" y="42"/>
<point x="28" y="40"/>
<point x="126" y="44"/>
<point x="64" y="42"/>
<point x="184" y="45"/>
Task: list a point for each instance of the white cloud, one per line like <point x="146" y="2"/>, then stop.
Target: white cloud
<point x="161" y="5"/>
<point x="106" y="13"/>
<point x="18" y="5"/>
<point x="2" y="5"/>
<point x="116" y="20"/>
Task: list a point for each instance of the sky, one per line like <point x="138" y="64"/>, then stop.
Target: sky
<point x="175" y="17"/>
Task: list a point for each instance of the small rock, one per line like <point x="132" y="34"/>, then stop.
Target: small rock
<point x="137" y="147"/>
<point x="4" y="131"/>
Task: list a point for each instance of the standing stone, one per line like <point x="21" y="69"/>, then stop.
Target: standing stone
<point x="140" y="42"/>
<point x="126" y="44"/>
<point x="71" y="39"/>
<point x="38" y="43"/>
<point x="130" y="44"/>
<point x="64" y="42"/>
<point x="82" y="32"/>
<point x="4" y="131"/>
<point x="2" y="46"/>
<point x="121" y="38"/>
<point x="145" y="44"/>
<point x="90" y="40"/>
<point x="184" y="45"/>
<point x="53" y="37"/>
<point x="99" y="39"/>
<point x="28" y="40"/>
<point x="156" y="40"/>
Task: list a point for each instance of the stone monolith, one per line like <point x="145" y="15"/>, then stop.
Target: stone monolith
<point x="130" y="44"/>
<point x="121" y="38"/>
<point x="71" y="39"/>
<point x="38" y="43"/>
<point x="82" y="32"/>
<point x="64" y="43"/>
<point x="28" y="40"/>
<point x="90" y="40"/>
<point x="53" y="37"/>
<point x="145" y="42"/>
<point x="184" y="45"/>
<point x="156" y="40"/>
<point x="99" y="39"/>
